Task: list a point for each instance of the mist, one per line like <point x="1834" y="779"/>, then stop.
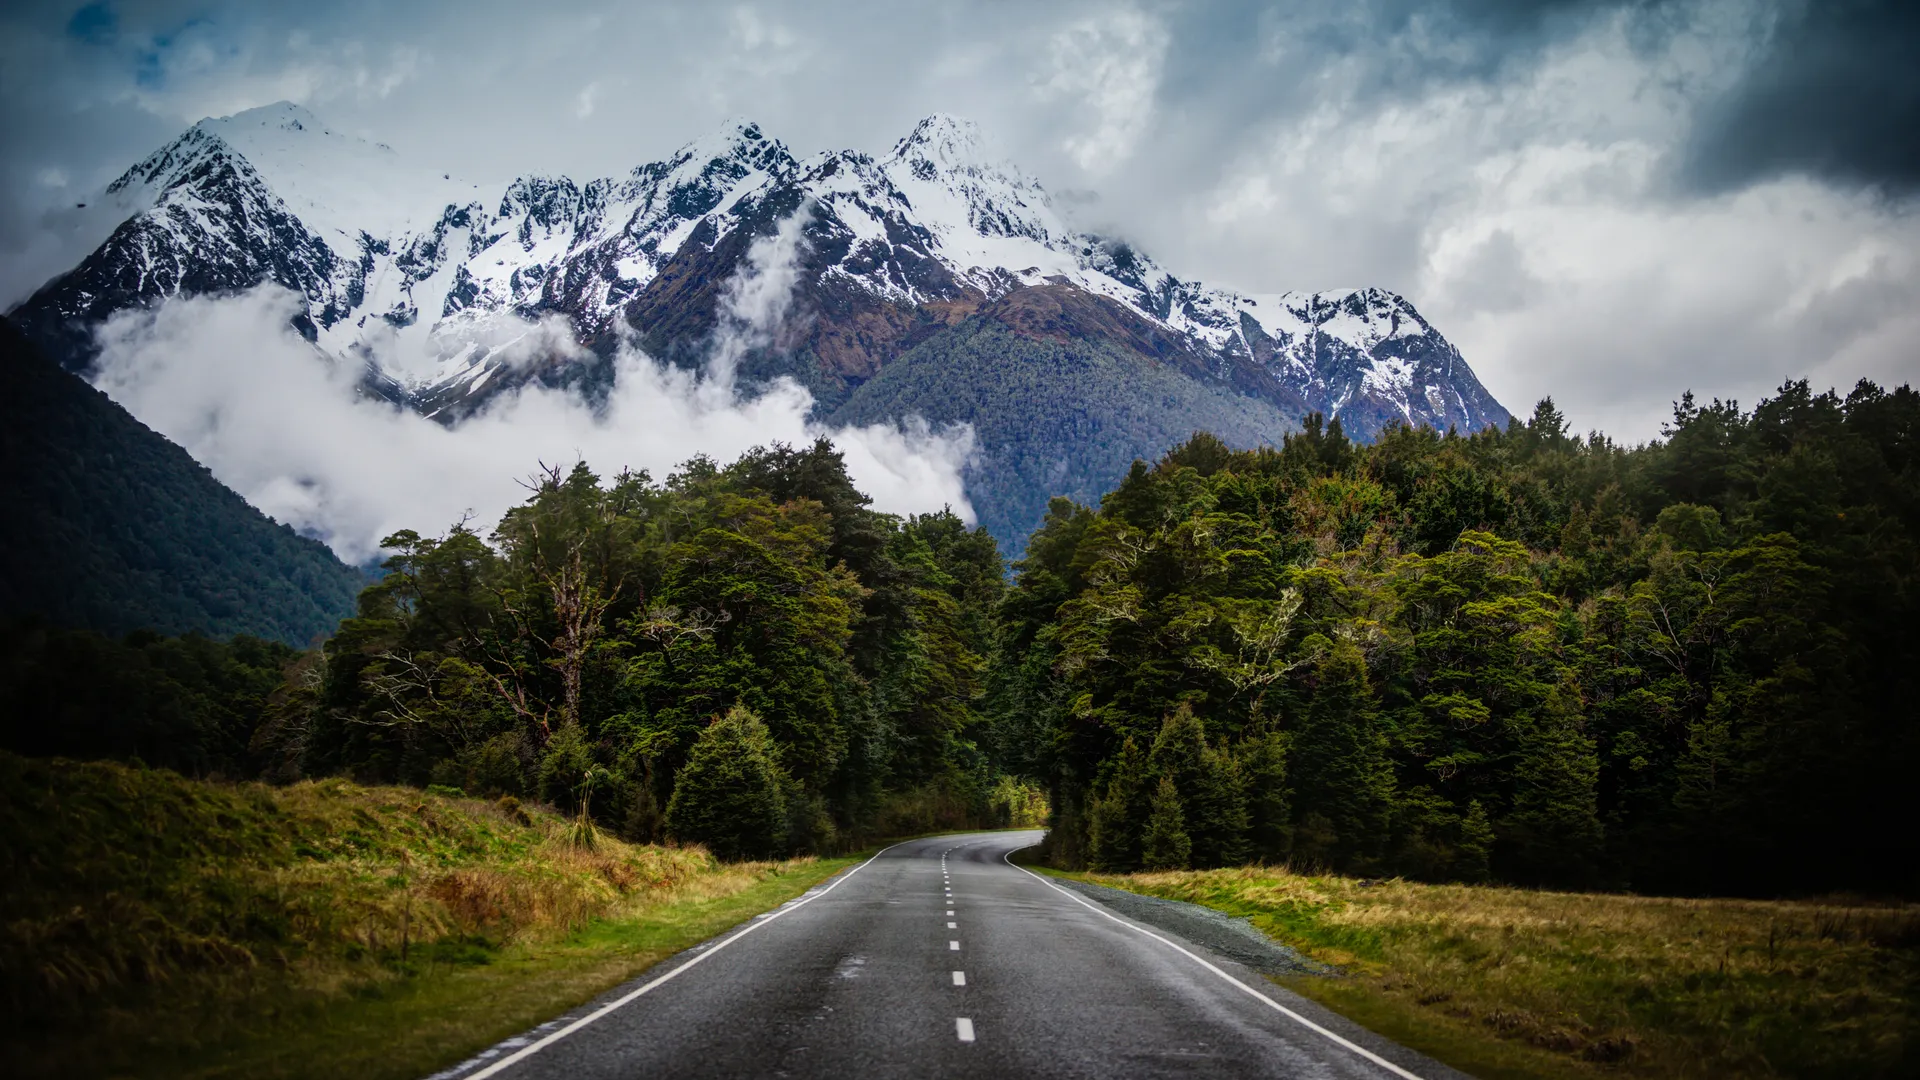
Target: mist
<point x="287" y="427"/>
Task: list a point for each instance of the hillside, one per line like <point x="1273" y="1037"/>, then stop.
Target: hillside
<point x="1054" y="417"/>
<point x="159" y="926"/>
<point x="113" y="528"/>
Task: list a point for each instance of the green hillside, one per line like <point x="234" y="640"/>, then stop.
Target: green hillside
<point x="111" y="527"/>
<point x="1053" y="417"/>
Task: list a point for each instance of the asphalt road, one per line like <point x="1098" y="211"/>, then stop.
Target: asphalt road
<point x="940" y="958"/>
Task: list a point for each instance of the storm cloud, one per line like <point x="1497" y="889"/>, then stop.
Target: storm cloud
<point x="1609" y="202"/>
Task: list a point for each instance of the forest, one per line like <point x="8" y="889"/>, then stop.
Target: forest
<point x="1515" y="656"/>
<point x="113" y="528"/>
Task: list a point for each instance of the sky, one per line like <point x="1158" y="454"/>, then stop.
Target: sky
<point x="1609" y="203"/>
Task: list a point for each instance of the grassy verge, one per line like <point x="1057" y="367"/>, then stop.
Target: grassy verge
<point x="157" y="926"/>
<point x="1517" y="983"/>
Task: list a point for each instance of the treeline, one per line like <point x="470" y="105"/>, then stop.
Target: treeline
<point x="187" y="703"/>
<point x="744" y="656"/>
<point x="1516" y="655"/>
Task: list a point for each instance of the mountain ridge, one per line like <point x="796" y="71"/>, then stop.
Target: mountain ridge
<point x="435" y="289"/>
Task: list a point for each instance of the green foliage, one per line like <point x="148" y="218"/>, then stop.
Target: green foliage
<point x="729" y="796"/>
<point x="112" y="528"/>
<point x="1166" y="845"/>
<point x="183" y="703"/>
<point x="604" y="625"/>
<point x="1512" y="655"/>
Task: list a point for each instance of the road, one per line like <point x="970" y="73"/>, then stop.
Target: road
<point x="940" y="958"/>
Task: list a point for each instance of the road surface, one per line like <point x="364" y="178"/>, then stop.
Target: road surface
<point x="940" y="958"/>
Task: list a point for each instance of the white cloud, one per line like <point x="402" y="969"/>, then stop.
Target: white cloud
<point x="287" y="428"/>
<point x="1510" y="168"/>
<point x="1534" y="219"/>
<point x="1109" y="64"/>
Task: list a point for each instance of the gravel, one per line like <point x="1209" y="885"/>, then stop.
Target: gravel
<point x="1235" y="939"/>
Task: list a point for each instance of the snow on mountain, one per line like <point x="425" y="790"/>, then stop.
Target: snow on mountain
<point x="434" y="283"/>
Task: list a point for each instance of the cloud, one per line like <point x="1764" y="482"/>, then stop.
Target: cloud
<point x="1607" y="200"/>
<point x="1110" y="66"/>
<point x="287" y="427"/>
<point x="1834" y="93"/>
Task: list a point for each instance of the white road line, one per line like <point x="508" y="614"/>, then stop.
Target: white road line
<point x="959" y="978"/>
<point x="533" y="1048"/>
<point x="953" y="926"/>
<point x="963" y="1027"/>
<point x="1276" y="1006"/>
<point x="949" y="911"/>
<point x="953" y="946"/>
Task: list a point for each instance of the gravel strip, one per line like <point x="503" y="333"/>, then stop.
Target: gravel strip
<point x="1236" y="939"/>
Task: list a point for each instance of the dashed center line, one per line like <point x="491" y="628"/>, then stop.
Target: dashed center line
<point x="963" y="1027"/>
<point x="959" y="978"/>
<point x="949" y="911"/>
<point x="953" y="926"/>
<point x="953" y="946"/>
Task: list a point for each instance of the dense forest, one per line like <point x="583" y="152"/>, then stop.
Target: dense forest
<point x="1514" y="655"/>
<point x="1687" y="666"/>
<point x="746" y="656"/>
<point x="112" y="528"/>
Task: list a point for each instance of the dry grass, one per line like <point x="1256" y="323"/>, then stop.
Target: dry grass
<point x="1517" y="982"/>
<point x="166" y="918"/>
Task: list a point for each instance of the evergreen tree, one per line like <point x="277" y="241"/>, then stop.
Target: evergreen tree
<point x="1340" y="781"/>
<point x="729" y="794"/>
<point x="1213" y="804"/>
<point x="1473" y="858"/>
<point x="1118" y="816"/>
<point x="1554" y="830"/>
<point x="1166" y="845"/>
<point x="1263" y="767"/>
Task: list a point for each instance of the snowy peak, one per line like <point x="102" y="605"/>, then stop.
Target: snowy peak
<point x="941" y="144"/>
<point x="410" y="269"/>
<point x="281" y="116"/>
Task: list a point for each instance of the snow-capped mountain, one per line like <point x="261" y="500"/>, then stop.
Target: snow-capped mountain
<point x="430" y="281"/>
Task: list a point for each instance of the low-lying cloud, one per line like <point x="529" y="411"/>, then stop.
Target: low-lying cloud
<point x="288" y="428"/>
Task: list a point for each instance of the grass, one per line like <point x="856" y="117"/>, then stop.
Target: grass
<point x="158" y="926"/>
<point x="1506" y="982"/>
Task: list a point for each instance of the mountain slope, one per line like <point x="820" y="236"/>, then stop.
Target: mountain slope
<point x="113" y="528"/>
<point x="1063" y="416"/>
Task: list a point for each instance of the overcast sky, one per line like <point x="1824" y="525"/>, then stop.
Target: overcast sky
<point x="1606" y="202"/>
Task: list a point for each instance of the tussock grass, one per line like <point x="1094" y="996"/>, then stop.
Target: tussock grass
<point x="152" y="924"/>
<point x="1514" y="982"/>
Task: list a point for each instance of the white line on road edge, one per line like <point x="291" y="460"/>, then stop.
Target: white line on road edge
<point x="534" y="1048"/>
<point x="963" y="1027"/>
<point x="1282" y="1009"/>
<point x="959" y="978"/>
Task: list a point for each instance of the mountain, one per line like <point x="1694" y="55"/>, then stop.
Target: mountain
<point x="430" y="282"/>
<point x="110" y="527"/>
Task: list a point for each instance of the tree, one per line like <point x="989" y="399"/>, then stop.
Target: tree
<point x="1118" y="815"/>
<point x="1263" y="767"/>
<point x="1166" y="845"/>
<point x="1213" y="806"/>
<point x="729" y="795"/>
<point x="1341" y="786"/>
